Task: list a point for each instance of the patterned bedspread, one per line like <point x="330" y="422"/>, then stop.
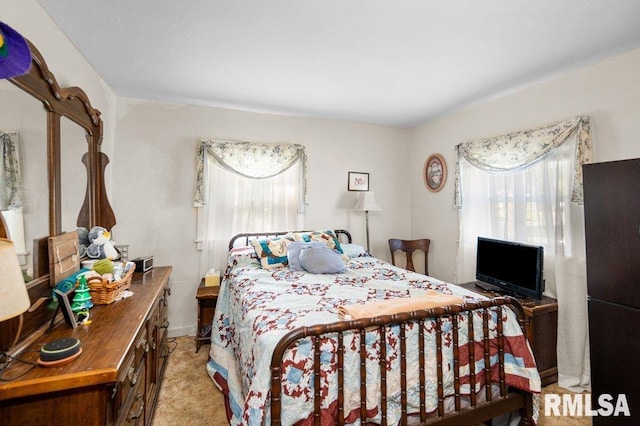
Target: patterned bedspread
<point x="256" y="307"/>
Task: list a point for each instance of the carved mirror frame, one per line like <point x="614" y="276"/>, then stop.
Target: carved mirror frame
<point x="72" y="103"/>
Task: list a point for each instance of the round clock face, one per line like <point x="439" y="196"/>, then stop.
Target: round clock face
<point x="435" y="172"/>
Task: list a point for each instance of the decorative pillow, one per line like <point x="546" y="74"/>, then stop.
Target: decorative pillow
<point x="272" y="252"/>
<point x="242" y="256"/>
<point x="327" y="237"/>
<point x="321" y="260"/>
<point x="354" y="250"/>
<point x="293" y="253"/>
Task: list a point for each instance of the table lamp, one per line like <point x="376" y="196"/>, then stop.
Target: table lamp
<point x="366" y="202"/>
<point x="14" y="299"/>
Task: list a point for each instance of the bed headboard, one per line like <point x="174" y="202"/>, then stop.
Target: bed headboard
<point x="243" y="239"/>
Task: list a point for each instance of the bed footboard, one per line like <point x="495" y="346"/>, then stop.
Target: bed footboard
<point x="470" y="409"/>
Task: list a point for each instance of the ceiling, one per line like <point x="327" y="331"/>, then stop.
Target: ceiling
<point x="388" y="62"/>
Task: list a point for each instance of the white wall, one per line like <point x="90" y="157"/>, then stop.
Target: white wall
<point x="607" y="91"/>
<point x="154" y="177"/>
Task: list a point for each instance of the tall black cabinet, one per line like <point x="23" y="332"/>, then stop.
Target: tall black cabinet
<point x="612" y="225"/>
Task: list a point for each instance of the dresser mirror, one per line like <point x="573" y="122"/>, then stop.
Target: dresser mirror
<point x="73" y="174"/>
<point x="23" y="116"/>
<point x="62" y="170"/>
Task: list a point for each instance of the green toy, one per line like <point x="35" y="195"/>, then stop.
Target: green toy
<point x="82" y="298"/>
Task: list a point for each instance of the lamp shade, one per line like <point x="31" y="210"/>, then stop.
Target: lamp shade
<point x="366" y="201"/>
<point x="14" y="298"/>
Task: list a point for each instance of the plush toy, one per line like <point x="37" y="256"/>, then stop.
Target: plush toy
<point x="83" y="238"/>
<point x="100" y="246"/>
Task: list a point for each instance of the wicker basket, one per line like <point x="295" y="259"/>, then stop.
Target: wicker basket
<point x="104" y="292"/>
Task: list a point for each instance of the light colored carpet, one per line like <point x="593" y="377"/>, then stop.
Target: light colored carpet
<point x="189" y="397"/>
<point x="560" y="421"/>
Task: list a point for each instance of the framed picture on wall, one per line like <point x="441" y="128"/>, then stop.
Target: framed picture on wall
<point x="358" y="181"/>
<point x="435" y="172"/>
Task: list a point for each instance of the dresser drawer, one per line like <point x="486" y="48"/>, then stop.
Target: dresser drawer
<point x="133" y="411"/>
<point x="131" y="375"/>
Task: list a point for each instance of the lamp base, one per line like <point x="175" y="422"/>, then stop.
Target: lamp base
<point x="366" y="219"/>
<point x="10" y="333"/>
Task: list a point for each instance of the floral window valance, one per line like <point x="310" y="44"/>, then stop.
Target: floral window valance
<point x="520" y="150"/>
<point x="10" y="171"/>
<point x="251" y="160"/>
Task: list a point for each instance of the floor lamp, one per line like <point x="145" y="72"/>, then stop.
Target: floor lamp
<point x="366" y="202"/>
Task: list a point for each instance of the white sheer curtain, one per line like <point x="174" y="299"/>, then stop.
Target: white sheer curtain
<point x="232" y="203"/>
<point x="11" y="191"/>
<point x="10" y="179"/>
<point x="533" y="204"/>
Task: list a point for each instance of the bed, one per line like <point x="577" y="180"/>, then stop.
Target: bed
<point x="284" y="353"/>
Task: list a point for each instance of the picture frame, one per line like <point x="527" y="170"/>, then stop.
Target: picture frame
<point x="65" y="306"/>
<point x="358" y="181"/>
<point x="435" y="172"/>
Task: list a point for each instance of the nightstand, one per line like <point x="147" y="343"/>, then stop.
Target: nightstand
<point x="207" y="298"/>
<point x="541" y="324"/>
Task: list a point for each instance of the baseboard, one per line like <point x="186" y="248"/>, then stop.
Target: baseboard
<point x="188" y="330"/>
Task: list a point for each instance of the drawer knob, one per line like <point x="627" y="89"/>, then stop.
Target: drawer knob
<point x="137" y="415"/>
<point x="133" y="378"/>
<point x="144" y="344"/>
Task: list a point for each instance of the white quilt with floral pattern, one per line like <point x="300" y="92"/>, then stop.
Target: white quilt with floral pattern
<point x="256" y="307"/>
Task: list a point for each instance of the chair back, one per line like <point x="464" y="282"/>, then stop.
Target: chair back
<point x="408" y="247"/>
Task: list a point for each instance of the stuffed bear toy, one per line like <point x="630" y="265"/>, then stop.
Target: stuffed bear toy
<point x="100" y="246"/>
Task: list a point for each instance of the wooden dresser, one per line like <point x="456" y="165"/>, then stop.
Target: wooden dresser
<point x="116" y="379"/>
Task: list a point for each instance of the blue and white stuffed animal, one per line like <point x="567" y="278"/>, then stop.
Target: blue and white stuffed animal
<point x="101" y="247"/>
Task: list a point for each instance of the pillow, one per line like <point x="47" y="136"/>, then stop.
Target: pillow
<point x="272" y="252"/>
<point x="293" y="253"/>
<point x="325" y="236"/>
<point x="242" y="256"/>
<point x="354" y="250"/>
<point x="321" y="260"/>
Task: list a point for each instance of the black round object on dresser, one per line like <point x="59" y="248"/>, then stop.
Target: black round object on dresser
<point x="60" y="349"/>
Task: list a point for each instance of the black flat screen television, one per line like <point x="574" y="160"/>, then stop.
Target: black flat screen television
<point x="511" y="267"/>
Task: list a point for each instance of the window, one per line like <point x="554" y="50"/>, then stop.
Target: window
<point x="246" y="187"/>
<point x="527" y="187"/>
<point x="528" y="206"/>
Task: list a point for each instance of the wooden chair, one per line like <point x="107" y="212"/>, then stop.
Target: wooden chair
<point x="408" y="247"/>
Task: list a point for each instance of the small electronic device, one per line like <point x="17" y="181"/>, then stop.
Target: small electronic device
<point x="143" y="264"/>
<point x="59" y="352"/>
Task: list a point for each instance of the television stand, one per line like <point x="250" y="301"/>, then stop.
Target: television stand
<point x="541" y="325"/>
